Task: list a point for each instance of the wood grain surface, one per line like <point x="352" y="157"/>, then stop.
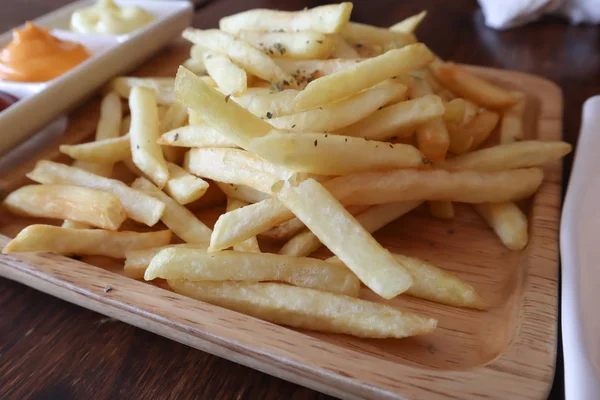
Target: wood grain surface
<point x="52" y="349"/>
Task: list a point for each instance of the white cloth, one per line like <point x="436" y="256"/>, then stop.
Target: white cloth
<point x="503" y="14"/>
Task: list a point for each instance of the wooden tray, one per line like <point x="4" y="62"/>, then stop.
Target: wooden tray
<point x="506" y="352"/>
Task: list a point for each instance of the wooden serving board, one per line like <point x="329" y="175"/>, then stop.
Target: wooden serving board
<point x="506" y="352"/>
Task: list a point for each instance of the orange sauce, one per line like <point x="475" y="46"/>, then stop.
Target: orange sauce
<point x="34" y="55"/>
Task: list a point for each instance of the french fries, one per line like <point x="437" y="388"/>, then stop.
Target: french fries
<point x="461" y="186"/>
<point x="241" y="192"/>
<point x="308" y="70"/>
<point x="198" y="265"/>
<point x="410" y="24"/>
<point x="339" y="114"/>
<point x="385" y="277"/>
<point x="250" y="244"/>
<point x="308" y="308"/>
<point x="184" y="187"/>
<point x="472" y="135"/>
<point x="530" y="153"/>
<point x="508" y="221"/>
<point x="297" y="45"/>
<point x="107" y="151"/>
<point x="343" y="49"/>
<point x="400" y="119"/>
<point x="79" y="204"/>
<point x="325" y="154"/>
<point x="362" y="75"/>
<point x="198" y="135"/>
<point x="243" y="54"/>
<point x="147" y="155"/>
<point x="263" y="101"/>
<point x="285" y="230"/>
<point x="230" y="78"/>
<point x="388" y="39"/>
<point x="511" y="124"/>
<point x="137" y="261"/>
<point x="471" y="87"/>
<point x="99" y="242"/>
<point x="162" y="87"/>
<point x="324" y="19"/>
<point x="138" y="206"/>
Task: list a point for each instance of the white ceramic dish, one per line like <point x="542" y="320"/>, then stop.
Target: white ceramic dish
<point x="40" y="103"/>
<point x="580" y="253"/>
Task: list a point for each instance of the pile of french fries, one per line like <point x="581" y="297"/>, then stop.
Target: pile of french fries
<point x="320" y="131"/>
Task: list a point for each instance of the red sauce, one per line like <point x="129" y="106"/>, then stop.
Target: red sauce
<point x="6" y="100"/>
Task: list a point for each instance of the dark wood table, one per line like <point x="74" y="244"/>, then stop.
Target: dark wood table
<point x="53" y="349"/>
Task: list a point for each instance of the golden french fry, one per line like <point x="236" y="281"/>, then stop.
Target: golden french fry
<point x="198" y="265"/>
<point x="229" y="118"/>
<point x="324" y="19"/>
<point x="305" y="71"/>
<point x="147" y="155"/>
<point x="264" y="101"/>
<point x="472" y="135"/>
<point x="434" y="284"/>
<point x="461" y="186"/>
<point x="249" y="245"/>
<point x="184" y="187"/>
<point x="441" y="209"/>
<point x="80" y="204"/>
<point x="244" y="55"/>
<point x="371" y="263"/>
<point x="308" y="308"/>
<point x="410" y="24"/>
<point x="241" y="192"/>
<point x="198" y="135"/>
<point x="176" y="217"/>
<point x="234" y="166"/>
<point x="325" y="154"/>
<point x="336" y="115"/>
<point x="230" y="78"/>
<point x="459" y="112"/>
<point x="400" y="119"/>
<point x="471" y="87"/>
<point x="362" y="75"/>
<point x="137" y="261"/>
<point x="508" y="221"/>
<point x="297" y="45"/>
<point x="511" y="125"/>
<point x="387" y="39"/>
<point x="138" y="206"/>
<point x="163" y="87"/>
<point x="343" y="49"/>
<point x="47" y="238"/>
<point x="107" y="151"/>
<point x="530" y="153"/>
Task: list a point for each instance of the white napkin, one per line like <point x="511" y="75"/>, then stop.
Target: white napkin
<point x="503" y="14"/>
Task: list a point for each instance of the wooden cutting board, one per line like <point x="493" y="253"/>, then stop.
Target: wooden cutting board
<point x="508" y="351"/>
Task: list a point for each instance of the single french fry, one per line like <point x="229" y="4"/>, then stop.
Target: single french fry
<point x="184" y="187"/>
<point x="234" y="166"/>
<point x="107" y="151"/>
<point x="387" y="39"/>
<point x="198" y="265"/>
<point x="244" y="55"/>
<point x="410" y="24"/>
<point x="305" y="71"/>
<point x="362" y="75"/>
<point x="324" y="19"/>
<point x="472" y="135"/>
<point x="296" y="45"/>
<point x="337" y="115"/>
<point x="441" y="209"/>
<point x="80" y="204"/>
<point x="147" y="155"/>
<point x="459" y="112"/>
<point x="435" y="284"/>
<point x="243" y="193"/>
<point x="511" y="125"/>
<point x="263" y="102"/>
<point x="325" y="154"/>
<point x="308" y="308"/>
<point x="229" y="118"/>
<point x="198" y="135"/>
<point x="137" y="261"/>
<point x="230" y="78"/>
<point x="163" y="87"/>
<point x="371" y="263"/>
<point x="461" y="186"/>
<point x="530" y="153"/>
<point x="138" y="206"/>
<point x="508" y="221"/>
<point x="471" y="87"/>
<point x="343" y="49"/>
<point x="196" y="65"/>
<point x="47" y="238"/>
<point x="400" y="119"/>
<point x="176" y="217"/>
<point x="249" y="245"/>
